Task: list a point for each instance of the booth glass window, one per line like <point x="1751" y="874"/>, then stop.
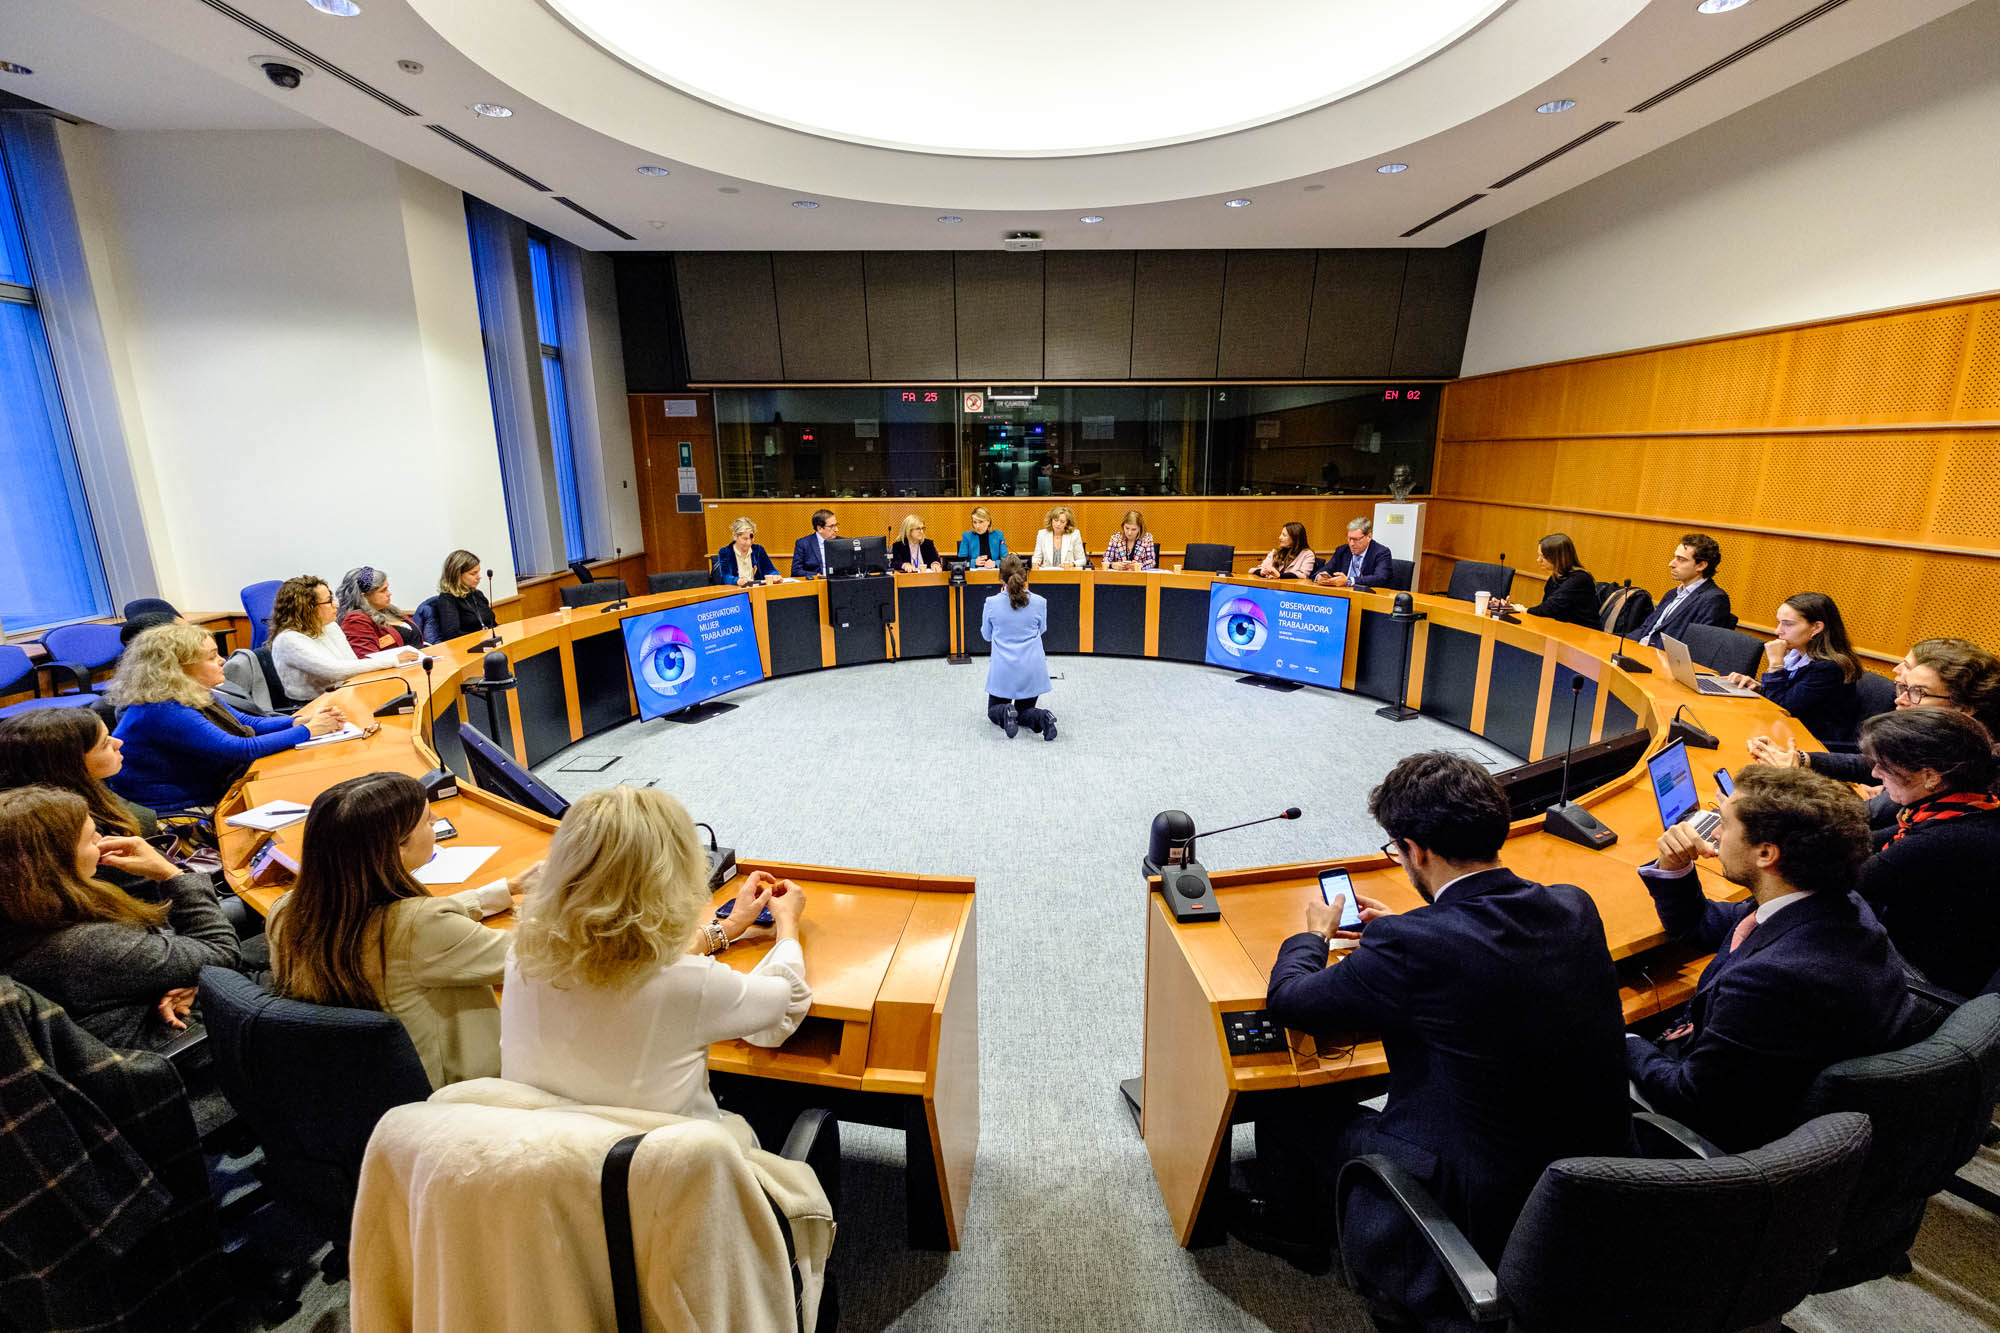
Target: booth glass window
<point x="800" y="443"/>
<point x="1319" y="439"/>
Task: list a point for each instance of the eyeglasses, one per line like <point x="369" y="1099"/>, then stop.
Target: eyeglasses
<point x="1393" y="849"/>
<point x="323" y="601"/>
<point x="1916" y="694"/>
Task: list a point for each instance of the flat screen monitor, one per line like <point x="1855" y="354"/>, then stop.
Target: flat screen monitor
<point x="494" y="770"/>
<point x="1278" y="632"/>
<point x="849" y="556"/>
<point x="688" y="654"/>
<point x="1533" y="788"/>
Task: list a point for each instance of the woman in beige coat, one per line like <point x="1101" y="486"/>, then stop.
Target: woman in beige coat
<point x="358" y="931"/>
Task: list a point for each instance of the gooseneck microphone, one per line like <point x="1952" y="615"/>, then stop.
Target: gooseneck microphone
<point x="1564" y="819"/>
<point x="1170" y="857"/>
<point x="1187" y="849"/>
<point x="1621" y="659"/>
<point x="487" y="621"/>
<point x="430" y="702"/>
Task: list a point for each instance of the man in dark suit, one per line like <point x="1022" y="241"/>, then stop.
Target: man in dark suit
<point x="1694" y="599"/>
<point x="1498" y="1005"/>
<point x="809" y="551"/>
<point x="1803" y="974"/>
<point x="1365" y="563"/>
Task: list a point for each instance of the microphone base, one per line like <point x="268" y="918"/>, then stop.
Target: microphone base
<point x="400" y="706"/>
<point x="1576" y="824"/>
<point x="1694" y="737"/>
<point x="1630" y="665"/>
<point x="1189" y="895"/>
<point x="1398" y="713"/>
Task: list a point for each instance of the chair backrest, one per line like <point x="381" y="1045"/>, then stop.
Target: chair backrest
<point x="582" y="572"/>
<point x="1876" y="693"/>
<point x="312" y="1080"/>
<point x="1471" y="576"/>
<point x="589" y="594"/>
<point x="1402" y="575"/>
<point x="1724" y="650"/>
<point x="96" y="701"/>
<point x="679" y="580"/>
<point x="147" y="606"/>
<point x="1930" y="1103"/>
<point x="258" y="599"/>
<point x="1730" y="1242"/>
<point x="1209" y="558"/>
<point x="15" y="666"/>
<point x="93" y="646"/>
<point x="274" y="684"/>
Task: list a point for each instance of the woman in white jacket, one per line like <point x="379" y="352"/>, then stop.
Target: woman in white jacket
<point x="603" y="1002"/>
<point x="311" y="653"/>
<point x="1059" y="545"/>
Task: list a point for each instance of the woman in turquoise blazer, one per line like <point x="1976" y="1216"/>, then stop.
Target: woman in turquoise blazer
<point x="983" y="544"/>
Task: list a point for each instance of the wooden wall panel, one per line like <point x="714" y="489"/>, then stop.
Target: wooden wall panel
<point x="1853" y="457"/>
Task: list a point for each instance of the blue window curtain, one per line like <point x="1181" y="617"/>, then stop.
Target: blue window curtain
<point x="550" y="297"/>
<point x="51" y="570"/>
<point x="501" y="274"/>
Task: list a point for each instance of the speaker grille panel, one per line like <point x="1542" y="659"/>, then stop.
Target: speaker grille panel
<point x="999" y="315"/>
<point x="1979" y="398"/>
<point x="910" y="313"/>
<point x="1088" y="311"/>
<point x="822" y="314"/>
<point x="1356" y="295"/>
<point x="729" y="315"/>
<point x="1266" y="304"/>
<point x="1176" y="314"/>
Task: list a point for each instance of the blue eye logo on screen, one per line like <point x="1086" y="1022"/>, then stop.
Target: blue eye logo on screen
<point x="666" y="658"/>
<point x="1240" y="627"/>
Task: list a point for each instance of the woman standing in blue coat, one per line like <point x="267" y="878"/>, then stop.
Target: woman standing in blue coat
<point x="1019" y="672"/>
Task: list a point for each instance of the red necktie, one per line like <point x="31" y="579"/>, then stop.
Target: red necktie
<point x="1743" y="929"/>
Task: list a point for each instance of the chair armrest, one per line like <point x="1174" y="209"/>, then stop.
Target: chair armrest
<point x="1477" y="1285"/>
<point x="815" y="1140"/>
<point x="1931" y="991"/>
<point x="1676" y="1138"/>
<point x="186" y="1046"/>
<point x="78" y="673"/>
<point x="1637" y="1097"/>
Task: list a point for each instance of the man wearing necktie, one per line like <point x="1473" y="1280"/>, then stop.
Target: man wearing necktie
<point x="1366" y="563"/>
<point x="1803" y="975"/>
<point x="809" y="552"/>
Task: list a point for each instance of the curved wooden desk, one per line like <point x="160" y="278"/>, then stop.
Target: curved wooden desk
<point x="893" y="1033"/>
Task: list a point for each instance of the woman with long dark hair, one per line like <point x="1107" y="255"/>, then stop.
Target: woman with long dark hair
<point x="358" y="931"/>
<point x="1291" y="558"/>
<point x="72" y="750"/>
<point x="1810" y="667"/>
<point x="1569" y="594"/>
<point x="459" y="607"/>
<point x="99" y="952"/>
<point x="1018" y="675"/>
<point x="1932" y="880"/>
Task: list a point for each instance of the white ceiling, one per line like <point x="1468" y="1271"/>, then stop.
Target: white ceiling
<point x="1462" y="118"/>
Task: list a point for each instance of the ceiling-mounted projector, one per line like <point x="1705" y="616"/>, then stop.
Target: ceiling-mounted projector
<point x="1021" y="240"/>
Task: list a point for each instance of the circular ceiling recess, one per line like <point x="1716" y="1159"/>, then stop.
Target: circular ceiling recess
<point x="1033" y="78"/>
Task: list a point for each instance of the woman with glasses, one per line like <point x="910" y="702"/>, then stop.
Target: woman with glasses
<point x="369" y="617"/>
<point x="311" y="653"/>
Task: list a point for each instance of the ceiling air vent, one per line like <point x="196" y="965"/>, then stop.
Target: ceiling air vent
<point x="1542" y="161"/>
<point x="1467" y="202"/>
<point x="574" y="207"/>
<point x="1730" y="59"/>
<point x="491" y="160"/>
<point x="325" y="66"/>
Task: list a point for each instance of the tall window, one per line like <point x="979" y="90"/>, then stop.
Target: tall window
<point x="541" y="265"/>
<point x="50" y="568"/>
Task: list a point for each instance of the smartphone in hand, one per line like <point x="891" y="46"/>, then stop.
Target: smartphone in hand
<point x="1333" y="884"/>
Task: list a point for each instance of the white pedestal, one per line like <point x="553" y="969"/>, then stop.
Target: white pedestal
<point x="1400" y="527"/>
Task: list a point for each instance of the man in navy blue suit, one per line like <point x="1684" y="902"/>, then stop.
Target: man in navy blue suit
<point x="1803" y="974"/>
<point x="809" y="551"/>
<point x="1499" y="1009"/>
<point x="1695" y="599"/>
<point x="1365" y="563"/>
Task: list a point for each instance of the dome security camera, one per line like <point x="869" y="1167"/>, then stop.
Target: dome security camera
<point x="285" y="76"/>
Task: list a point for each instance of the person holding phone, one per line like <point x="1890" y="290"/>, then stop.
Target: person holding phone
<point x="1336" y="889"/>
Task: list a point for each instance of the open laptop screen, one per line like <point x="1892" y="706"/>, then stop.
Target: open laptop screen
<point x="1673" y="784"/>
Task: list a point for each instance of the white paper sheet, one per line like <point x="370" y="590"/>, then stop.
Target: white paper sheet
<point x="453" y="865"/>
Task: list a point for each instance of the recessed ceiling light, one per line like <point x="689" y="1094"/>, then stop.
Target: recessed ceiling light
<point x="1236" y="203"/>
<point x="1392" y="168"/>
<point x="1091" y="217"/>
<point x="950" y="218"/>
<point x="493" y="110"/>
<point x="650" y="170"/>
<point x="9" y="67"/>
<point x="1555" y="108"/>
<point x="340" y="9"/>
<point x="1719" y="6"/>
<point x="727" y="189"/>
<point x="805" y="203"/>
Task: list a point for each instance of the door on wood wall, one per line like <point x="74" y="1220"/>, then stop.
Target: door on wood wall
<point x="673" y="540"/>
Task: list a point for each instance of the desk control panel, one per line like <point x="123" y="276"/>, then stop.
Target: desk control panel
<point x="1253" y="1032"/>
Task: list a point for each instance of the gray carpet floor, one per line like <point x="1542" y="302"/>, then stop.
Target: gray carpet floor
<point x="895" y="767"/>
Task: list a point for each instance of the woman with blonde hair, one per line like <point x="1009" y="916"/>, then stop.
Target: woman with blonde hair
<point x="459" y="607"/>
<point x="1059" y="544"/>
<point x="121" y="967"/>
<point x="358" y="931"/>
<point x="369" y="617"/>
<point x="743" y="562"/>
<point x="912" y="552"/>
<point x="1131" y="547"/>
<point x="183" y="747"/>
<point x="603" y="1002"/>
<point x="982" y="543"/>
<point x="311" y="653"/>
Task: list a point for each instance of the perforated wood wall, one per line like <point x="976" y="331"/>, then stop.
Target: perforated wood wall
<point x="1856" y="457"/>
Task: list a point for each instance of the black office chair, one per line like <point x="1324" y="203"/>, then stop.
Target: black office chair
<point x="1877" y="695"/>
<point x="594" y="592"/>
<point x="1732" y="1242"/>
<point x="1724" y="650"/>
<point x="1931" y="1104"/>
<point x="1208" y="558"/>
<point x="311" y="1080"/>
<point x="1402" y="575"/>
<point x="280" y="701"/>
<point x="147" y="606"/>
<point x="1473" y="576"/>
<point x="582" y="572"/>
<point x="679" y="580"/>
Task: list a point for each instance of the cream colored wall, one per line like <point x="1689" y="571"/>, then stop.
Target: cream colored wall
<point x="1871" y="186"/>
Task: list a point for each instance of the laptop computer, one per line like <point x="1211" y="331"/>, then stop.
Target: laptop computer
<point x="1681" y="666"/>
<point x="1674" y="793"/>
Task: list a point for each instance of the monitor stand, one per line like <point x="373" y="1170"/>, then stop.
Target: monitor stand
<point x="700" y="712"/>
<point x="1271" y="683"/>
